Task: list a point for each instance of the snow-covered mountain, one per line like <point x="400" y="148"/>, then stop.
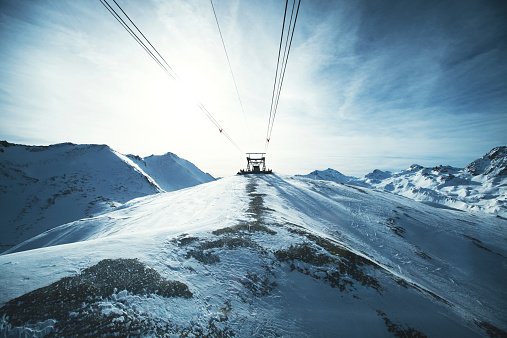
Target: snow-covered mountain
<point x="45" y="186"/>
<point x="183" y="174"/>
<point x="263" y="255"/>
<point x="492" y="165"/>
<point x="329" y="175"/>
<point x="480" y="186"/>
<point x="377" y="176"/>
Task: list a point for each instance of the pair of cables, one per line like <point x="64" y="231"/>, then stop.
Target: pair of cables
<point x="127" y="23"/>
<point x="281" y="65"/>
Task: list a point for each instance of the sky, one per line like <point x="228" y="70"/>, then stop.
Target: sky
<point x="369" y="84"/>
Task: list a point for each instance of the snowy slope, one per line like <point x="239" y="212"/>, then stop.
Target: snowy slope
<point x="171" y="172"/>
<point x="46" y="186"/>
<point x="264" y="256"/>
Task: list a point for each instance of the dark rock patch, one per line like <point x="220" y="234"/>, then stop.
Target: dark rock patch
<point x="74" y="302"/>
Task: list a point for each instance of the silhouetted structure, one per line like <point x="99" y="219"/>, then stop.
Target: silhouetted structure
<point x="256" y="164"/>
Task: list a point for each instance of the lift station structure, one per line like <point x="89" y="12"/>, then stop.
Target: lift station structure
<point x="256" y="164"/>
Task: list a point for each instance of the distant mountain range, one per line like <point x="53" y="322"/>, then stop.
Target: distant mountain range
<point x="480" y="186"/>
<point x="42" y="187"/>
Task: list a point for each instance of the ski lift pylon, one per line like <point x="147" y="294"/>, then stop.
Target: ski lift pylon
<point x="256" y="164"/>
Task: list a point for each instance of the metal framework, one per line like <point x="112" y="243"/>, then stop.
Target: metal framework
<point x="256" y="164"/>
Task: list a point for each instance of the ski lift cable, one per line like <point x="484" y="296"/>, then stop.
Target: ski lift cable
<point x="284" y="67"/>
<point x="154" y="57"/>
<point x="230" y="67"/>
<point x="276" y="72"/>
<point x="232" y="141"/>
<point x="292" y="26"/>
<point x="132" y="33"/>
<point x="280" y="78"/>
<point x="156" y="51"/>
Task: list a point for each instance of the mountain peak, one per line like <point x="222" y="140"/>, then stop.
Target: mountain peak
<point x="498" y="153"/>
<point x="415" y="167"/>
<point x="329" y="175"/>
<point x="377" y="175"/>
<point x="493" y="164"/>
<point x="444" y="168"/>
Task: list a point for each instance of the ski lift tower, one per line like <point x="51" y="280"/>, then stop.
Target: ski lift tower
<point x="256" y="164"/>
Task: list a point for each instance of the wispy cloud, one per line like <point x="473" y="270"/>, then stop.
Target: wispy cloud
<point x="369" y="84"/>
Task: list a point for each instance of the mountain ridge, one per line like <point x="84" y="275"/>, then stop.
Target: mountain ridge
<point x="46" y="186"/>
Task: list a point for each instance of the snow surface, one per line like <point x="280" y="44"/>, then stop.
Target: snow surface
<point x="46" y="186"/>
<point x="369" y="263"/>
<point x="481" y="186"/>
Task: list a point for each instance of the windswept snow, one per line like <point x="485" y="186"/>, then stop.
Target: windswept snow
<point x="44" y="187"/>
<point x="276" y="255"/>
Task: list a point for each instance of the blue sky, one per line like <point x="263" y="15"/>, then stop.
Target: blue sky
<point x="369" y="84"/>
